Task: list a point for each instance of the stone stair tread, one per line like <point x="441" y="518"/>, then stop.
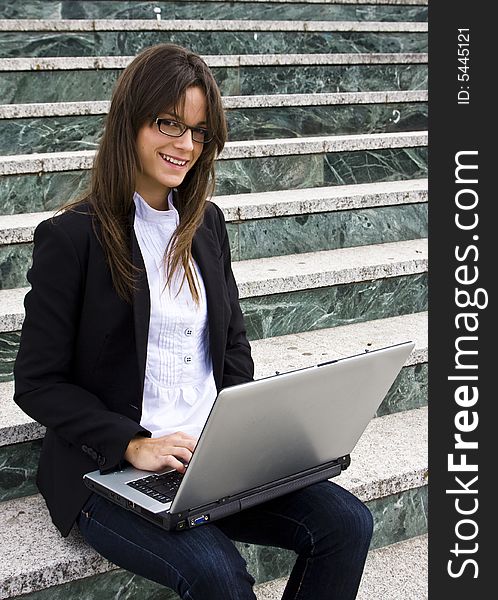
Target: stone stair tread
<point x="15" y="425"/>
<point x="393" y="572"/>
<point x="216" y="60"/>
<point x="19" y="228"/>
<point x="271" y="355"/>
<point x="397" y="571"/>
<point x="279" y="274"/>
<point x="12" y="308"/>
<point x="42" y="162"/>
<point x="86" y="107"/>
<point x="374" y="2"/>
<point x="35" y="556"/>
<point x="297" y="25"/>
<point x="299" y="350"/>
<point x="391" y="456"/>
<point x="320" y="199"/>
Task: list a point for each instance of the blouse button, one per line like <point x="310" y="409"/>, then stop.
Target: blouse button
<point x="187" y="359"/>
<point x="188" y="331"/>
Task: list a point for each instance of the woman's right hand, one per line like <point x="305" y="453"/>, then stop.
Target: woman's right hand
<point x="158" y="454"/>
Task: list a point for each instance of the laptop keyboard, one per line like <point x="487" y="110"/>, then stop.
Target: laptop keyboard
<point x="160" y="487"/>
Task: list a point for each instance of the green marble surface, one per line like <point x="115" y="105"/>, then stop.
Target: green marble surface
<point x="399" y="517"/>
<point x="396" y="518"/>
<point x="9" y="344"/>
<point x="307" y="310"/>
<point x="128" y="43"/>
<point x="328" y="231"/>
<point x="18" y="466"/>
<point x="72" y="86"/>
<point x="182" y="9"/>
<point x="57" y="86"/>
<point x="303" y="310"/>
<point x="48" y="191"/>
<point x="343" y="168"/>
<point x="408" y="391"/>
<point x="298" y="121"/>
<point x="315" y="170"/>
<point x="50" y="134"/>
<point x="15" y="260"/>
<point x="269" y="173"/>
<point x="38" y="193"/>
<point x="315" y="79"/>
<point x="280" y="236"/>
<point x="63" y="134"/>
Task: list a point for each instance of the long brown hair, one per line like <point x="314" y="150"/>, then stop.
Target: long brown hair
<point x="154" y="82"/>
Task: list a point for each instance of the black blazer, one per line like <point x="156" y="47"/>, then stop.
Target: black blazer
<point x="81" y="362"/>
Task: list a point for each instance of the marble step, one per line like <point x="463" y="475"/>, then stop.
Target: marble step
<point x="274" y="223"/>
<point x="264" y="205"/>
<point x="19" y="228"/>
<point x="233" y="37"/>
<point x="271" y="236"/>
<point x="287" y="353"/>
<point x="26" y="193"/>
<point x="84" y="108"/>
<point x="83" y="159"/>
<point x="91" y="25"/>
<point x="90" y="63"/>
<point x="326" y="289"/>
<point x="42" y="181"/>
<point x="291" y="273"/>
<point x="395" y="572"/>
<point x="277" y="275"/>
<point x="96" y="84"/>
<point x="56" y="9"/>
<point x="82" y="132"/>
<point x="390" y="487"/>
<point x="392" y="10"/>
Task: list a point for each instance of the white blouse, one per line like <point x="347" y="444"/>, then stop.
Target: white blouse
<point x="179" y="387"/>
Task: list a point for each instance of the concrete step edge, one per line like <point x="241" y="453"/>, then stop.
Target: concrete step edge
<point x="393" y="572"/>
<point x="271" y="355"/>
<point x="62" y="109"/>
<point x="281" y="274"/>
<point x="83" y="159"/>
<point x="79" y="63"/>
<point x="241" y="207"/>
<point x="375" y="2"/>
<point x="19" y="228"/>
<point x="266" y="25"/>
<point x="52" y="560"/>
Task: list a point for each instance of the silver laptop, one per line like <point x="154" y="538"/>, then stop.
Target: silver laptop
<point x="263" y="439"/>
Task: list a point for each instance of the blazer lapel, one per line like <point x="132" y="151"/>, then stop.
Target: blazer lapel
<point x="205" y="253"/>
<point x="141" y="304"/>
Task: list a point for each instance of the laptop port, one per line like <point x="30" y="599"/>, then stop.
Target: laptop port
<point x="198" y="520"/>
<point x="130" y="504"/>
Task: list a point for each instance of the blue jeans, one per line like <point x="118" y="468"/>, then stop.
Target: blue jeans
<point x="328" y="528"/>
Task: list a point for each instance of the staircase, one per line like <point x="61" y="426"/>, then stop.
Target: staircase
<point x="323" y="187"/>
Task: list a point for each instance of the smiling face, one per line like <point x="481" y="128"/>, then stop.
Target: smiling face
<point x="166" y="160"/>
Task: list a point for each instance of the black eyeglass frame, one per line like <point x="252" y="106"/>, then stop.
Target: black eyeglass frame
<point x="207" y="133"/>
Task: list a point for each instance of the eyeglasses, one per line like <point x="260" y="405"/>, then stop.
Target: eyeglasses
<point x="177" y="129"/>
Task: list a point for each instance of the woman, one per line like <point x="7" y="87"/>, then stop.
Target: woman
<point x="132" y="326"/>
